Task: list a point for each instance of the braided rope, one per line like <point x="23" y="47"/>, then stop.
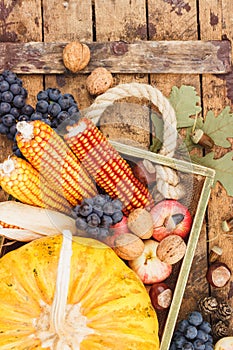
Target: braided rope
<point x="166" y="178"/>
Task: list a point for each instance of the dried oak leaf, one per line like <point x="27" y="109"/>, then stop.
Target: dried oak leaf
<point x="223" y="167"/>
<point x="185" y="102"/>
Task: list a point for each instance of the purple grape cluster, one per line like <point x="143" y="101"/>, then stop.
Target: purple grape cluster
<point x="94" y="216"/>
<point x="192" y="333"/>
<point x="13" y="106"/>
<point x="52" y="107"/>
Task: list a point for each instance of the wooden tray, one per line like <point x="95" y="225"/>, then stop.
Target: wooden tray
<point x="196" y="202"/>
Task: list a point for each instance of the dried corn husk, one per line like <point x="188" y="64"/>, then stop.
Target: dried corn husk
<point x="37" y="220"/>
<point x="20" y="235"/>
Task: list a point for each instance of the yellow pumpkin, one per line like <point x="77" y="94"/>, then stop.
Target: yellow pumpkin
<point x="106" y="305"/>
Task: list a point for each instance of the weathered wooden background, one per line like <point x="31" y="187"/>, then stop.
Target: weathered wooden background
<point x="52" y="21"/>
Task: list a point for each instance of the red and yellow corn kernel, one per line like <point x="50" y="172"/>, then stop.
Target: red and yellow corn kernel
<point x="48" y="153"/>
<point x="110" y="171"/>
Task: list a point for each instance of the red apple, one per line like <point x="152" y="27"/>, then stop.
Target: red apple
<point x="116" y="230"/>
<point x="170" y="217"/>
<point x="148" y="266"/>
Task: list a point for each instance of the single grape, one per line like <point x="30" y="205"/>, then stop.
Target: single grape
<point x="42" y="95"/>
<point x="7" y="96"/>
<point x="98" y="210"/>
<point x="36" y="116"/>
<point x="117" y="217"/>
<point x="88" y="201"/>
<point x="190" y="332"/>
<point x="179" y="341"/>
<point x="42" y="106"/>
<point x="5" y="108"/>
<point x="117" y="204"/>
<point x="4" y="85"/>
<point x="10" y="77"/>
<point x="72" y="110"/>
<point x="99" y="200"/>
<point x="209" y="346"/>
<point x="54" y="94"/>
<point x="182" y="325"/>
<point x="92" y="231"/>
<point x="195" y="318"/>
<point x="85" y="209"/>
<point x="15" y="89"/>
<point x="8" y="120"/>
<point x="198" y="344"/>
<point x="81" y="223"/>
<point x="19" y="101"/>
<point x="64" y="102"/>
<point x="202" y="335"/>
<point x="27" y="109"/>
<point x="4" y="129"/>
<point x="106" y="221"/>
<point x="54" y="109"/>
<point x="93" y="220"/>
<point x="103" y="233"/>
<point x="63" y="115"/>
<point x="205" y="326"/>
<point x="15" y="112"/>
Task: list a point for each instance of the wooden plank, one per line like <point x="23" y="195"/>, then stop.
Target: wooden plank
<point x="124" y="20"/>
<point x="183" y="57"/>
<point x="170" y="20"/>
<point x="215" y="22"/>
<point x="67" y="21"/>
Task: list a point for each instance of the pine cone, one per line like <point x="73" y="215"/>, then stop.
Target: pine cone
<point x="220" y="329"/>
<point x="208" y="304"/>
<point x="224" y="311"/>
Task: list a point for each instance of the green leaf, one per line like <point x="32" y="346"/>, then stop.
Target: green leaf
<point x="219" y="128"/>
<point x="184" y="101"/>
<point x="157" y="139"/>
<point x="223" y="167"/>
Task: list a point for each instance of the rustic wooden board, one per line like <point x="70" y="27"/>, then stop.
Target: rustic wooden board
<point x="185" y="57"/>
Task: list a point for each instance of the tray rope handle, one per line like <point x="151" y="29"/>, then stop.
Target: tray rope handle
<point x="167" y="180"/>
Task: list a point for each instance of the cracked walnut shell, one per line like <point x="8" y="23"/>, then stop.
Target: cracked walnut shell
<point x="99" y="81"/>
<point x="76" y="56"/>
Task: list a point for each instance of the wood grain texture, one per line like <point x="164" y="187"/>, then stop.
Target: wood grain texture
<point x="67" y="21"/>
<point x="183" y="57"/>
<point x="215" y="23"/>
<point x="124" y="20"/>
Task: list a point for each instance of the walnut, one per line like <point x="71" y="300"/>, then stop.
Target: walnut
<point x="76" y="56"/>
<point x="171" y="249"/>
<point x="99" y="81"/>
<point x="140" y="222"/>
<point x="128" y="246"/>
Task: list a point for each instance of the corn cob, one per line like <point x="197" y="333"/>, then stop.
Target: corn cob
<point x="54" y="160"/>
<point x="22" y="181"/>
<point x="108" y="168"/>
